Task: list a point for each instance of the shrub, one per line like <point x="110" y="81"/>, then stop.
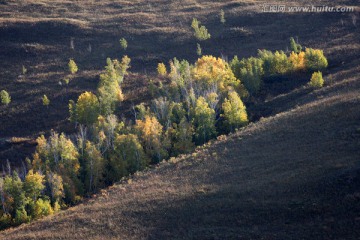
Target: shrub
<point x="294" y="46"/>
<point x="222" y="16"/>
<point x="315" y="59"/>
<point x="201" y="33"/>
<point x="73" y="68"/>
<point x="45" y="101"/>
<point x="316" y="80"/>
<point x="123" y="43"/>
<point x="5" y="97"/>
<point x="161" y="69"/>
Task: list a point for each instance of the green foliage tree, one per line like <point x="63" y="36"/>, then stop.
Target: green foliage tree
<point x="250" y="71"/>
<point x="15" y="195"/>
<point x="294" y="46"/>
<point x="316" y="80"/>
<point x="73" y="68"/>
<point x="59" y="154"/>
<point x="42" y="208"/>
<point x="204" y="121"/>
<point x="56" y="186"/>
<point x="128" y="158"/>
<point x="183" y="137"/>
<point x="315" y="59"/>
<point x="94" y="167"/>
<point x="123" y="43"/>
<point x="5" y="97"/>
<point x="87" y="108"/>
<point x="34" y="184"/>
<point x="109" y="87"/>
<point x="201" y="33"/>
<point x="234" y="111"/>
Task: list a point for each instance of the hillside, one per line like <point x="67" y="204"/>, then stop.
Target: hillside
<point x="292" y="173"/>
<point x="291" y="176"/>
<point x="38" y="35"/>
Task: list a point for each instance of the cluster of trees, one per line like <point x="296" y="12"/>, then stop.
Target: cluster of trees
<point x="252" y="70"/>
<point x="201" y="101"/>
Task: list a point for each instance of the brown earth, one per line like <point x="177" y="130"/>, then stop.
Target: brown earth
<point x="292" y="175"/>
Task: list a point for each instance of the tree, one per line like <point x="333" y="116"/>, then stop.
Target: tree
<point x="234" y="111"/>
<point x="201" y="33"/>
<point x="161" y="69"/>
<point x="94" y="167"/>
<point x="316" y="80"/>
<point x="55" y="182"/>
<point x="129" y="156"/>
<point x="45" y="101"/>
<point x="315" y="59"/>
<point x="182" y="137"/>
<point x="222" y="16"/>
<point x="87" y="108"/>
<point x="204" y="121"/>
<point x="297" y="61"/>
<point x="34" y="184"/>
<point x="295" y="47"/>
<point x="16" y="199"/>
<point x="5" y="97"/>
<point x="250" y="71"/>
<point x="123" y="43"/>
<point x="109" y="87"/>
<point x="213" y="74"/>
<point x="198" y="50"/>
<point x="151" y="134"/>
<point x="58" y="154"/>
<point x="42" y="208"/>
<point x="73" y="68"/>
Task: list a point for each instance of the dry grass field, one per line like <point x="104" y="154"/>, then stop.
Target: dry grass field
<point x="293" y="174"/>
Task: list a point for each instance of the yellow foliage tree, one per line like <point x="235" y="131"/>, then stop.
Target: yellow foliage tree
<point x="87" y="108"/>
<point x="297" y="61"/>
<point x="210" y="70"/>
<point x="151" y="134"/>
<point x="234" y="111"/>
<point x="161" y="69"/>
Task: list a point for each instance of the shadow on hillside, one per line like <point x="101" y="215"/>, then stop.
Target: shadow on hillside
<point x="229" y="214"/>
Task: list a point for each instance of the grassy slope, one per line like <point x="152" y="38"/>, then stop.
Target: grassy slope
<point x="37" y="34"/>
<point x="294" y="175"/>
<point x="291" y="176"/>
